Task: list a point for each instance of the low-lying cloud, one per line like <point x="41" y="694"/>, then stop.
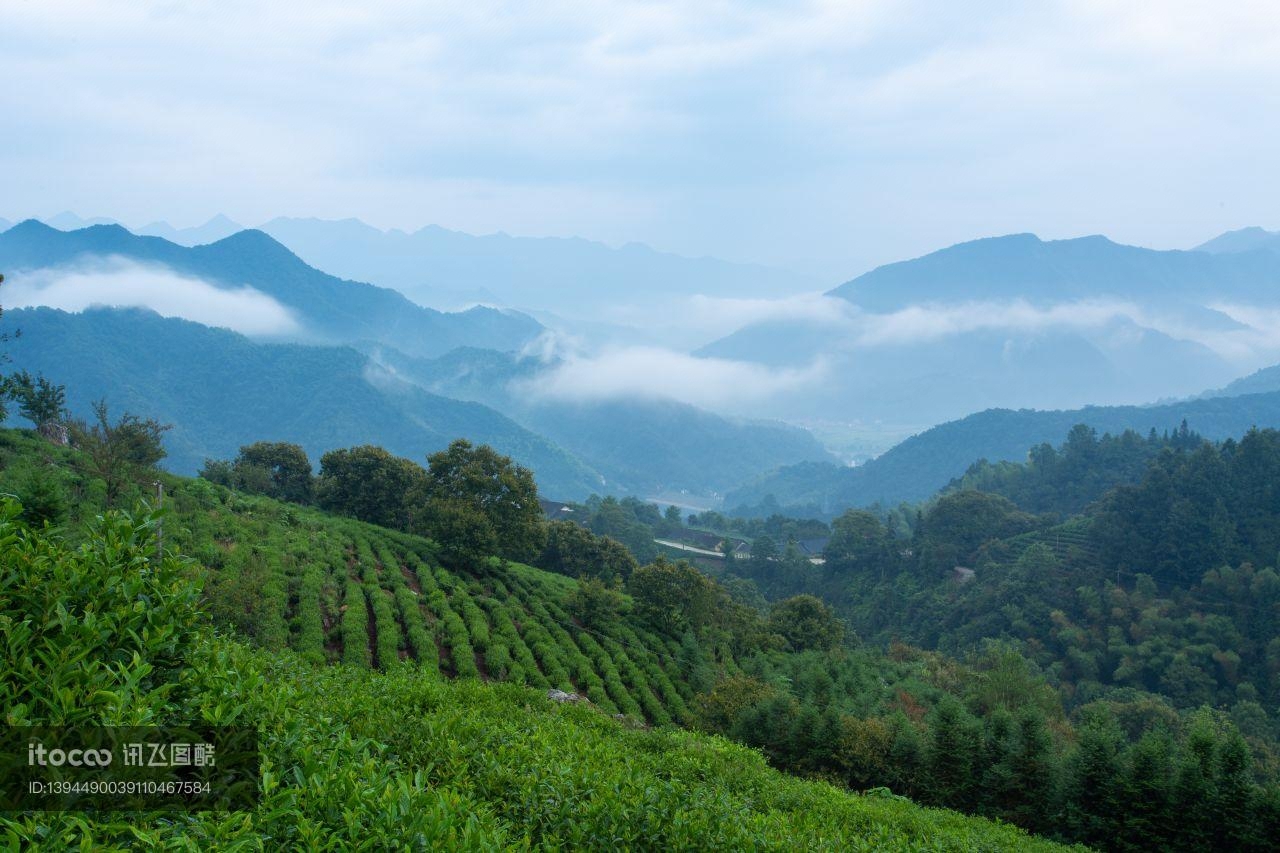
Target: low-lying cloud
<point x="693" y="320"/>
<point x="121" y="283"/>
<point x="1246" y="336"/>
<point x="656" y="373"/>
<point x="918" y="323"/>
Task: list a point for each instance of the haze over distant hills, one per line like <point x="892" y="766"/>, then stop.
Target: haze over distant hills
<point x="1017" y="321"/>
<point x="441" y="267"/>
<point x="170" y="369"/>
<point x="1000" y="323"/>
<point x="329" y="309"/>
<point x="1244" y="240"/>
<point x="217" y="228"/>
<point x="1022" y="266"/>
<point x="565" y="275"/>
<point x="1262" y="381"/>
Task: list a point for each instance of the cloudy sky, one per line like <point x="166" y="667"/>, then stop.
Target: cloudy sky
<point x="822" y="136"/>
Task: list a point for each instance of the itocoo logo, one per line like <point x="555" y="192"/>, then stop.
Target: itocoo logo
<point x="39" y="755"/>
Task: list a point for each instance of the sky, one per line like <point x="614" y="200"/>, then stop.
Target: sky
<point x="825" y="137"/>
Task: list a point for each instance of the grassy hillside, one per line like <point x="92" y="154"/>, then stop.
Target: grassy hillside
<point x="357" y="759"/>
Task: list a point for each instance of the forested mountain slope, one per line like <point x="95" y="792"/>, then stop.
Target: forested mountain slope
<point x="221" y="390"/>
<point x="925" y="463"/>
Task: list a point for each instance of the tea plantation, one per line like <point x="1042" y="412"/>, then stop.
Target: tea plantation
<point x="383" y="749"/>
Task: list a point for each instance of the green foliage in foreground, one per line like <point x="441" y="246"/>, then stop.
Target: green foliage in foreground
<point x="354" y="759"/>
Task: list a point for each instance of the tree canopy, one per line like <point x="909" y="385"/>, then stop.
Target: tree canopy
<point x="478" y="492"/>
<point x="118" y="453"/>
<point x="806" y="622"/>
<point x="368" y="483"/>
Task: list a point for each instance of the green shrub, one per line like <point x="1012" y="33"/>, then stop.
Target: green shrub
<point x="78" y="643"/>
<point x="355" y="630"/>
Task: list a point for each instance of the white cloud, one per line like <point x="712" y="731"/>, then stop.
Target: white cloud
<point x="118" y="282"/>
<point x="826" y="134"/>
<point x="919" y="323"/>
<point x="1256" y="345"/>
<point x="736" y="386"/>
<point x="687" y="322"/>
<point x="655" y="373"/>
<point x="1256" y="341"/>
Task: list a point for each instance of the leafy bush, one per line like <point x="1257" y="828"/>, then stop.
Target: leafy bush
<point x="96" y="633"/>
<point x="355" y="633"/>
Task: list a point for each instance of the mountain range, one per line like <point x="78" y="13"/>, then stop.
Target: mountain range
<point x="367" y="358"/>
<point x="331" y="309"/>
<point x="902" y="344"/>
<point x="1019" y="322"/>
<point x="1022" y="266"/>
<point x="1243" y="240"/>
<point x="217" y="228"/>
<point x="442" y="267"/>
<point x="563" y="275"/>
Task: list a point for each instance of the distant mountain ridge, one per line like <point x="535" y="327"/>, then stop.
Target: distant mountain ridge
<point x="549" y="273"/>
<point x="1248" y="239"/>
<point x="667" y="446"/>
<point x="217" y="228"/>
<point x="442" y="267"/>
<point x="1022" y="266"/>
<point x="1262" y="381"/>
<point x="333" y="309"/>
<point x="920" y="466"/>
<point x="1019" y="322"/>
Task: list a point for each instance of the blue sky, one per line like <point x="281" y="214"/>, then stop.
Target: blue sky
<point x="827" y="137"/>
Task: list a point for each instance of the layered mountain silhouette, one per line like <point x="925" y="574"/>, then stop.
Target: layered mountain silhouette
<point x="217" y="228"/>
<point x="1262" y="381"/>
<point x="332" y="310"/>
<point x="1022" y="266"/>
<point x="1017" y="321"/>
<point x="395" y="388"/>
<point x="564" y="275"/>
<point x="1244" y="240"/>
